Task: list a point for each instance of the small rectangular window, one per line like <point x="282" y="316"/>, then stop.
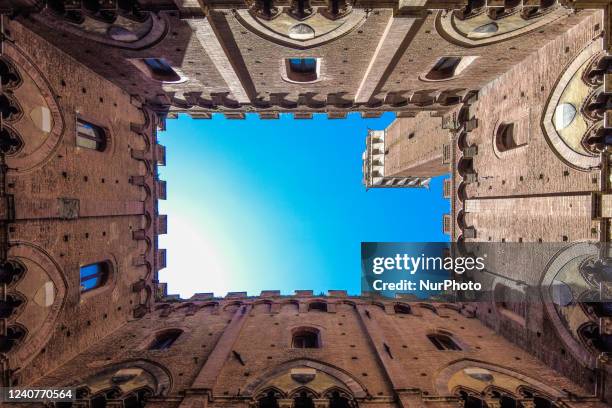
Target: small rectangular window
<point x="448" y="68"/>
<point x="90" y="136"/>
<point x="160" y="70"/>
<point x="303" y="65"/>
<point x="443" y="342"/>
<point x="302" y="69"/>
<point x="93" y="276"/>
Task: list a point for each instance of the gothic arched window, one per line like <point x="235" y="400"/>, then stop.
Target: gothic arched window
<point x="14" y="335"/>
<point x="11" y="272"/>
<point x="470" y="401"/>
<point x="303" y="400"/>
<point x="541" y="402"/>
<point x="268" y="400"/>
<point x="8" y="306"/>
<point x="592" y="336"/>
<point x="338" y="400"/>
<point x="9" y="77"/>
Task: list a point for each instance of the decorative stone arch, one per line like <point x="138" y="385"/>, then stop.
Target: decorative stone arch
<point x="565" y="255"/>
<point x="29" y="253"/>
<point x="442" y="380"/>
<point x="446" y="27"/>
<point x="557" y="144"/>
<point x="352" y="385"/>
<point x="28" y="161"/>
<point x="343" y="392"/>
<point x="163" y="378"/>
<point x="303" y="388"/>
<point x="264" y="392"/>
<point x="157" y="31"/>
<point x="467" y="390"/>
<point x="346" y="25"/>
<point x="492" y="389"/>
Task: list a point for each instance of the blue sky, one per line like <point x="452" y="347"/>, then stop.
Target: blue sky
<point x="278" y="204"/>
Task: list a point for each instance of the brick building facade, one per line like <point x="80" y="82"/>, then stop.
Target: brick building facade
<point x="510" y="98"/>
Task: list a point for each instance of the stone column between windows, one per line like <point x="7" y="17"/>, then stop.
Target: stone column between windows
<point x="285" y="403"/>
<point x="321" y="403"/>
<point x="207" y="376"/>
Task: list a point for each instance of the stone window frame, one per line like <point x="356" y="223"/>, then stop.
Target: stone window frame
<point x="173" y="334"/>
<point x="107" y="134"/>
<point x="285" y="75"/>
<point x="462" y="346"/>
<point x="111" y="278"/>
<point x="150" y="75"/>
<point x="103" y="271"/>
<point x="301" y="328"/>
<point x="515" y="118"/>
<point x="465" y="62"/>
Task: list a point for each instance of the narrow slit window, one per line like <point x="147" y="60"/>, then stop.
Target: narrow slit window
<point x="93" y="276"/>
<point x="90" y="136"/>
